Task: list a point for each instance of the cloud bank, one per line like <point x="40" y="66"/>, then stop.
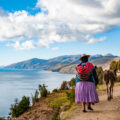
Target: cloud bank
<point x="59" y="21"/>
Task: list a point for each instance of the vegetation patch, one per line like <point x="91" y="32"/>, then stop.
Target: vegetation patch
<point x="57" y="102"/>
<point x="19" y="108"/>
<point x="69" y="112"/>
<point x="56" y="115"/>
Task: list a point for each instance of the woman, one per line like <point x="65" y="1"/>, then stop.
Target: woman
<point x="86" y="80"/>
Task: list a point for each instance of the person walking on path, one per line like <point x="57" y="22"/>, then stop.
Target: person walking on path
<point x="86" y="81"/>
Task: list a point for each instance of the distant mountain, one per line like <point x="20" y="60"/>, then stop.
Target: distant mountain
<point x="63" y="64"/>
<point x="34" y="63"/>
<point x="109" y="55"/>
<point x="98" y="60"/>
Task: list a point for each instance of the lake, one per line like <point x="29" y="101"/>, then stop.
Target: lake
<point x="17" y="83"/>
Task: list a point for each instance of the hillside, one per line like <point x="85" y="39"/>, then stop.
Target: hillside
<point x="34" y="63"/>
<point x="46" y="108"/>
<point x="63" y="64"/>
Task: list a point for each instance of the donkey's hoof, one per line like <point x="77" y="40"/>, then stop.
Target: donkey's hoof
<point x="109" y="98"/>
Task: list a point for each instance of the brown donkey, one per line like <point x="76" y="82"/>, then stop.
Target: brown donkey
<point x="110" y="78"/>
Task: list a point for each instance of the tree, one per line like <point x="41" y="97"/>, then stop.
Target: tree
<point x="100" y="74"/>
<point x="19" y="108"/>
<point x="72" y="82"/>
<point x="71" y="95"/>
<point x="64" y="86"/>
<point x="113" y="65"/>
<point x="35" y="97"/>
<point x="43" y="90"/>
<point x="118" y="65"/>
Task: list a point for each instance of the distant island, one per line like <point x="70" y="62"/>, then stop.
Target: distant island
<point x="62" y="64"/>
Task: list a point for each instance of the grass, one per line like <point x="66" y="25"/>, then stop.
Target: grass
<point x="57" y="102"/>
<point x="103" y="86"/>
<point x="57" y="99"/>
<point x="117" y="84"/>
<point x="69" y="112"/>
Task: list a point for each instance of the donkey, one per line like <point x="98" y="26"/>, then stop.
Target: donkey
<point x="110" y="77"/>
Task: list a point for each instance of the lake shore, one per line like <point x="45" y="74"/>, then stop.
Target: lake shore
<point x="15" y="84"/>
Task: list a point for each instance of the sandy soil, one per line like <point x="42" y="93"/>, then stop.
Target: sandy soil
<point x="104" y="110"/>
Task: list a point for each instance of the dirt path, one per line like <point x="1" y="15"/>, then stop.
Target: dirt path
<point x="104" y="110"/>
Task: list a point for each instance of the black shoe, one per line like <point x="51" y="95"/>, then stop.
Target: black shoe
<point x="93" y="103"/>
<point x="84" y="111"/>
<point x="89" y="108"/>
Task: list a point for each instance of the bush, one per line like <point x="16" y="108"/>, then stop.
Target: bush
<point x="72" y="82"/>
<point x="35" y="98"/>
<point x="43" y="90"/>
<point x="71" y="95"/>
<point x="55" y="90"/>
<point x="118" y="79"/>
<point x="64" y="86"/>
<point x="113" y="65"/>
<point x="56" y="115"/>
<point x="19" y="108"/>
<point x="100" y="74"/>
<point x="57" y="102"/>
<point x="118" y="65"/>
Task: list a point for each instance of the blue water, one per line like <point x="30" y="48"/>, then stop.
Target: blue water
<point x="17" y="83"/>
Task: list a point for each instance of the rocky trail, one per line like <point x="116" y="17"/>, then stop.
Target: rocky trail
<point x="104" y="110"/>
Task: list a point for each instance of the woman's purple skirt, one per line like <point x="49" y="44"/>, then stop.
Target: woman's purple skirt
<point x="86" y="92"/>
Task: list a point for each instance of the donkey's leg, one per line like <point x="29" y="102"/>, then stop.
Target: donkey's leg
<point x="108" y="91"/>
<point x="112" y="93"/>
<point x="107" y="88"/>
<point x="112" y="90"/>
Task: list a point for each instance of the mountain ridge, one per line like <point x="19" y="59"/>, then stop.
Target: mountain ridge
<point x="63" y="64"/>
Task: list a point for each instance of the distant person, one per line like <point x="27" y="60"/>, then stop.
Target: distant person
<point x="86" y="81"/>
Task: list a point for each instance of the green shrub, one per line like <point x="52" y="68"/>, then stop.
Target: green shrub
<point x="72" y="82"/>
<point x="71" y="95"/>
<point x="64" y="86"/>
<point x="55" y="90"/>
<point x="118" y="65"/>
<point x="56" y="115"/>
<point x="35" y="98"/>
<point x="113" y="65"/>
<point x="118" y="79"/>
<point x="43" y="90"/>
<point x="100" y="74"/>
<point x="19" y="108"/>
<point x="57" y="102"/>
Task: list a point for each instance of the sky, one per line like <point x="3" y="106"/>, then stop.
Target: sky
<point x="49" y="28"/>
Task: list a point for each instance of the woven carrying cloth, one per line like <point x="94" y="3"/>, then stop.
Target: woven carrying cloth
<point x="84" y="71"/>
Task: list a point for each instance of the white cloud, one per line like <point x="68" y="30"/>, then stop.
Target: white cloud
<point x="15" y="45"/>
<point x="23" y="46"/>
<point x="59" y="21"/>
